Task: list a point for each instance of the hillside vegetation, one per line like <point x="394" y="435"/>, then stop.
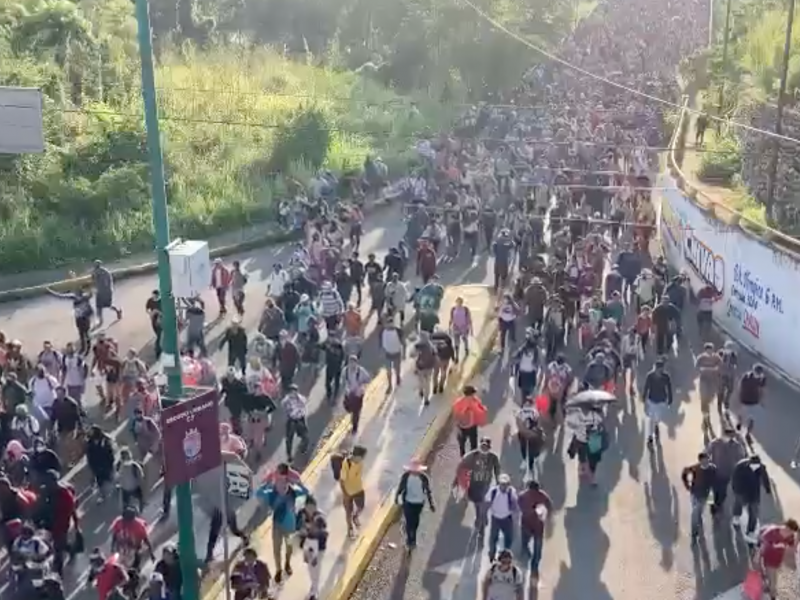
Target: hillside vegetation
<point x="251" y="92"/>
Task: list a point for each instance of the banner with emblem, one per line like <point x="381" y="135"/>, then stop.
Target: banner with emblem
<point x="191" y="439"/>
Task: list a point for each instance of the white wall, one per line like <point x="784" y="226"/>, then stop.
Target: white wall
<point x="758" y="284"/>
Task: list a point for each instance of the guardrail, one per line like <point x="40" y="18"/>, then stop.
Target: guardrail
<point x="721" y="210"/>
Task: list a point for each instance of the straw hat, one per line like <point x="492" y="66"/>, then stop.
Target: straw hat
<point x="415" y="465"/>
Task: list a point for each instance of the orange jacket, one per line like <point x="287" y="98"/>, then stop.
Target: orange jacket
<point x="469" y="411"/>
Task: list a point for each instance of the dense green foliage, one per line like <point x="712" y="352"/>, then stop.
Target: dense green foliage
<point x="722" y="160"/>
<point x="343" y="78"/>
<point x="755" y="54"/>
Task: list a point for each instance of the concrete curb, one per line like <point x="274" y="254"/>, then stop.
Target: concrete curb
<point x="273" y="237"/>
<point x="142" y="269"/>
<point x="368" y="542"/>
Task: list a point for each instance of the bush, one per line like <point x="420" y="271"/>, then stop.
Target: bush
<point x="305" y="137"/>
<point x="722" y="160"/>
<point x="88" y="196"/>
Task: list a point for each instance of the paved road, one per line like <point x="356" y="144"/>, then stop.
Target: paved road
<point x="49" y="319"/>
<point x="627" y="539"/>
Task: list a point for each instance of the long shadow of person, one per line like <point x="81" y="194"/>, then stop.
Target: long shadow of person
<point x="663" y="508"/>
<point x="588" y="546"/>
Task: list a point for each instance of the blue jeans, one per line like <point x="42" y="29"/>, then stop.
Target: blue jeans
<point x="698" y="506"/>
<point x="536" y="551"/>
<point x="496" y="527"/>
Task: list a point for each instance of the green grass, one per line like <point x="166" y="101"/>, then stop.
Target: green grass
<point x="221" y="111"/>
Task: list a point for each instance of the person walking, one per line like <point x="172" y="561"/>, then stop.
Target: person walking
<point x="531" y="437"/>
<point x="393" y="345"/>
<point x="425" y="361"/>
<point x="220" y="283"/>
<point x="749" y="478"/>
<point x="657" y="395"/>
<point x="460" y="328"/>
<point x="445" y="354"/>
<point x="502" y="509"/>
<point x="351" y="482"/>
<point x="235" y="338"/>
<point x="699" y="479"/>
<point x="725" y="453"/>
<point x="356" y="378"/>
<point x="534" y="507"/>
<point x="334" y="363"/>
<point x="474" y="475"/>
<point x="469" y="413"/>
<point x="504" y="580"/>
<point x="296" y="407"/>
<point x="412" y="493"/>
<point x="103" y="284"/>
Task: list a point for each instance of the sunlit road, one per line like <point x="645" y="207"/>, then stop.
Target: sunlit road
<point x="627" y="539"/>
<point x="53" y="317"/>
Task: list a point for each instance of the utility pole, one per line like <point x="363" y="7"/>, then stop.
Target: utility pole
<point x="773" y="167"/>
<point x="726" y="35"/>
<point x="169" y="341"/>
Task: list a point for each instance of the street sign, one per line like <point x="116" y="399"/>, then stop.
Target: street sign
<point x="238" y="480"/>
<point x="21" y="127"/>
<point x="191" y="441"/>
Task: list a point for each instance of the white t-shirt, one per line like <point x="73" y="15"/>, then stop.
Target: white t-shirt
<point x="390" y="341"/>
<point x="43" y="391"/>
<point x="74" y="373"/>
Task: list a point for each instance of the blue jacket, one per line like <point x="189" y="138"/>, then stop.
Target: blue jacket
<point x="284" y="512"/>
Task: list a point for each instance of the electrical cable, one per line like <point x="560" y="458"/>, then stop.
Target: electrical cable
<point x="500" y="27"/>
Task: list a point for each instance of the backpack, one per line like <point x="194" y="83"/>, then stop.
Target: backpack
<point x="337" y="462"/>
<point x="517" y="573"/>
<point x="426" y="359"/>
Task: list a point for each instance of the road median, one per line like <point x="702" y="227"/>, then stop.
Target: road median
<point x="395" y="428"/>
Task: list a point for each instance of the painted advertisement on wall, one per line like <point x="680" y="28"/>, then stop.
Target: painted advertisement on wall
<point x="752" y="286"/>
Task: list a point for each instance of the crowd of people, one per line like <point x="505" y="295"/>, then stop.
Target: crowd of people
<point x="556" y="189"/>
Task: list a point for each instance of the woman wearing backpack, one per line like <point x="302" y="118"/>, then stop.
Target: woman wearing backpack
<point x="412" y="493"/>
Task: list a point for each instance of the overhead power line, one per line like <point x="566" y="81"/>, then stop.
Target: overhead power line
<point x="500" y="27"/>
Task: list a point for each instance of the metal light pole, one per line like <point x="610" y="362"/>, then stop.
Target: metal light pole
<point x="726" y="35"/>
<point x="773" y="167"/>
<point x="170" y="357"/>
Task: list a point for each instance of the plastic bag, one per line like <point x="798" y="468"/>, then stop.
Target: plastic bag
<point x="542" y="404"/>
<point x="753" y="586"/>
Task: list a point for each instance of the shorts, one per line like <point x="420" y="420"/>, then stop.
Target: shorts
<point x="628" y="361"/>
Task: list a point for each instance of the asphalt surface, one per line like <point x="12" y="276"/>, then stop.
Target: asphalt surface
<point x="48" y="318"/>
<point x="628" y="538"/>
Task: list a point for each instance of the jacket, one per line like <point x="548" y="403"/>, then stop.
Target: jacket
<point x="747" y="480"/>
